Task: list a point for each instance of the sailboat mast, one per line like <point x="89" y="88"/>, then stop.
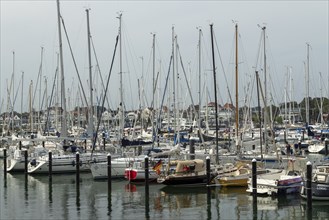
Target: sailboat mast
<point x="22" y="101"/>
<point x="174" y="89"/>
<point x="121" y="89"/>
<point x="13" y="102"/>
<point x="236" y="92"/>
<point x="153" y="91"/>
<point x="63" y="100"/>
<point x="30" y="105"/>
<point x="177" y="109"/>
<point x="265" y="88"/>
<point x="307" y="85"/>
<point x="91" y="112"/>
<point x="285" y="99"/>
<point x="290" y="95"/>
<point x="200" y="32"/>
<point x="215" y="88"/>
<point x="260" y="116"/>
<point x="40" y="87"/>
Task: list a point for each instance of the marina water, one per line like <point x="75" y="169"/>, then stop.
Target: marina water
<point x="35" y="197"/>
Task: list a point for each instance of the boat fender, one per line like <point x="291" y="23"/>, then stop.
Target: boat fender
<point x="95" y="160"/>
<point x="80" y="163"/>
<point x="73" y="162"/>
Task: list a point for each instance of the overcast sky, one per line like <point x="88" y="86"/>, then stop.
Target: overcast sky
<point x="26" y="26"/>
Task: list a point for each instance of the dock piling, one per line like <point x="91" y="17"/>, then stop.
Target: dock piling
<point x="109" y="174"/>
<point x="208" y="170"/>
<point x="147" y="209"/>
<point x="77" y="166"/>
<point x="5" y="161"/>
<point x="50" y="164"/>
<point x="25" y="161"/>
<point x="146" y="165"/>
<point x="309" y="185"/>
<point x="254" y="178"/>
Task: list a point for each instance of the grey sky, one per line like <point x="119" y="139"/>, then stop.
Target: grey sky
<point x="26" y="26"/>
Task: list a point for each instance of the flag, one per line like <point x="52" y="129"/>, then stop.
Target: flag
<point x="157" y="167"/>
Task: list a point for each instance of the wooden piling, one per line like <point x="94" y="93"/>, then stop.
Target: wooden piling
<point x="146" y="166"/>
<point x="147" y="197"/>
<point x="5" y="161"/>
<point x="254" y="177"/>
<point x="25" y="161"/>
<point x="109" y="173"/>
<point x="309" y="184"/>
<point x="77" y="166"/>
<point x="50" y="164"/>
<point x="208" y="170"/>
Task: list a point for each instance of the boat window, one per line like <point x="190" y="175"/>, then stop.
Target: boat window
<point x="321" y="178"/>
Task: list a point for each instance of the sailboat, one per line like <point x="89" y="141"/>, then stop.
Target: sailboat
<point x="185" y="172"/>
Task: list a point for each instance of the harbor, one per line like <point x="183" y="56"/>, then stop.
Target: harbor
<point x="187" y="130"/>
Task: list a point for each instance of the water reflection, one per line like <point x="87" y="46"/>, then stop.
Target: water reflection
<point x="92" y="200"/>
<point x="319" y="209"/>
<point x="50" y="192"/>
<point x="147" y="204"/>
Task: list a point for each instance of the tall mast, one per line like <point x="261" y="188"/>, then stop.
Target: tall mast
<point x="237" y="145"/>
<point x="22" y="101"/>
<point x="91" y="112"/>
<point x="285" y="98"/>
<point x="199" y="113"/>
<point x="140" y="91"/>
<point x="40" y="87"/>
<point x="307" y="119"/>
<point x="153" y="90"/>
<point x="177" y="109"/>
<point x="321" y="101"/>
<point x="260" y="116"/>
<point x="265" y="87"/>
<point x="63" y="100"/>
<point x="174" y="89"/>
<point x="30" y="105"/>
<point x="290" y="95"/>
<point x="13" y="103"/>
<point x="215" y="89"/>
<point x="121" y="88"/>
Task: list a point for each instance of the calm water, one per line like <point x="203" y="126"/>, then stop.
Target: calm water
<point x="32" y="197"/>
